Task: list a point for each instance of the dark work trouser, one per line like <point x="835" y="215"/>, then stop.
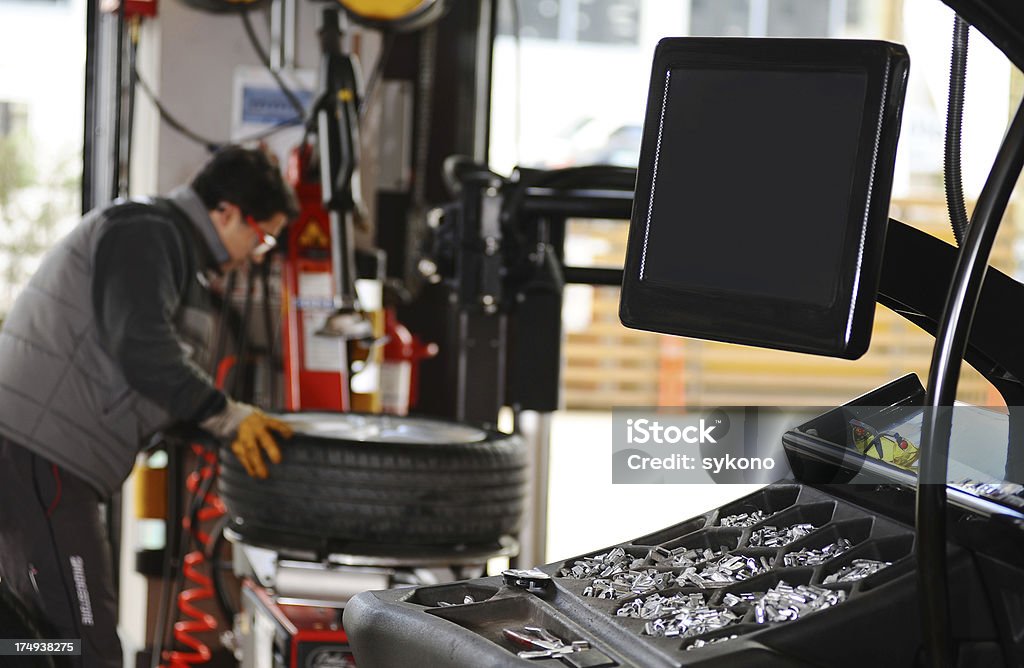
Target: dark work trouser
<point x="54" y="554"/>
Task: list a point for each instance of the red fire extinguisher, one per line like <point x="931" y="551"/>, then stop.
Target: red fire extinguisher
<point x="315" y="367"/>
<point x="399" y="373"/>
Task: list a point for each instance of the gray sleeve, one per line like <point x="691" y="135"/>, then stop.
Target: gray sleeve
<point x="140" y="271"/>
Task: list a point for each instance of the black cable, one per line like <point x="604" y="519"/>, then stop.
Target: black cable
<point x="220" y="349"/>
<point x="377" y="73"/>
<point x="954" y="125"/>
<point x="270" y="332"/>
<point x="210" y="145"/>
<point x="212" y="553"/>
<point x="425" y="78"/>
<point x="243" y="335"/>
<point x="265" y="61"/>
<point x="198" y="501"/>
<point x="166" y="116"/>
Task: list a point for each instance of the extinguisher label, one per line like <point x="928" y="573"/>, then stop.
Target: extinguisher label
<point x="320" y="353"/>
<point x="395" y="382"/>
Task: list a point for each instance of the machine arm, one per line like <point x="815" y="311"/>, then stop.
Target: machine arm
<point x="337" y="122"/>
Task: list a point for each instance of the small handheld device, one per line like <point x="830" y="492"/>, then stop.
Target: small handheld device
<point x="762" y="191"/>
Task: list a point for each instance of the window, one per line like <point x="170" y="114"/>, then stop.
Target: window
<point x="725" y="18"/>
<point x="41" y="101"/>
<point x="771" y="18"/>
<point x="589" y="21"/>
<point x="13" y="118"/>
<point x="608" y="21"/>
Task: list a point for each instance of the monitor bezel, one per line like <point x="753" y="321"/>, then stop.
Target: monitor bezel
<point x="841" y="329"/>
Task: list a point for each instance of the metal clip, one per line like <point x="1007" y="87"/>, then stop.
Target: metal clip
<point x="542" y="643"/>
<point x="533" y="580"/>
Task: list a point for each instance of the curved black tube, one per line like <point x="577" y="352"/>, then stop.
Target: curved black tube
<point x="217" y="570"/>
<point x="950" y="345"/>
<point x="243" y="363"/>
<point x="954" y="125"/>
<point x="270" y="331"/>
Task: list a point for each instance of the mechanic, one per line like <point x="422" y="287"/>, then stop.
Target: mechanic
<point x="96" y="356"/>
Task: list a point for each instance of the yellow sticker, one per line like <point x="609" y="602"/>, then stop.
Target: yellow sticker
<point x="313" y="236"/>
<point x="889" y="448"/>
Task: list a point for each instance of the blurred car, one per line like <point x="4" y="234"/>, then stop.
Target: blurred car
<point x="590" y="141"/>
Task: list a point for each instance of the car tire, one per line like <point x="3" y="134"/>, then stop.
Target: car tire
<point x="382" y="489"/>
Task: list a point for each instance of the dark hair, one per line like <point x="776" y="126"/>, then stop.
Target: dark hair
<point x="248" y="179"/>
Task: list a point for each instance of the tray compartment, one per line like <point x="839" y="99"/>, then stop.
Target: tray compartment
<point x="455" y="594"/>
<point x="490" y="618"/>
<point x="738" y="630"/>
<point x="894" y="549"/>
<point x="855" y="531"/>
<point x="707" y="539"/>
<point x="762" y="583"/>
<point x="793" y="577"/>
<point x="815" y="514"/>
<point x="632" y="558"/>
<point x="673" y="532"/>
<point x="737" y="566"/>
<point x="768" y="501"/>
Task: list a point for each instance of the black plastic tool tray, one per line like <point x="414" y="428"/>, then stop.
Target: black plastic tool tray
<point x="471" y="634"/>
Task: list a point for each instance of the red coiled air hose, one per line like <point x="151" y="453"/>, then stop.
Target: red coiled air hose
<point x="200" y="483"/>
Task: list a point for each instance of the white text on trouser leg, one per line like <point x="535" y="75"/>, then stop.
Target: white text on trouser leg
<point x="84" y="603"/>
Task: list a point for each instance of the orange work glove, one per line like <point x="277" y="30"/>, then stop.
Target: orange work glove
<point x="254" y="438"/>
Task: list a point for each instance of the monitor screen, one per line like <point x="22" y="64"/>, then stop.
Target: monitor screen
<point x="762" y="193"/>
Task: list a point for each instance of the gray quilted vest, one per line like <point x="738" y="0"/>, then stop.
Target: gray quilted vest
<point x="62" y="395"/>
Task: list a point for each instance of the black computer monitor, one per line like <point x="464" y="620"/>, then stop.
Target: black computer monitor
<point x="762" y="192"/>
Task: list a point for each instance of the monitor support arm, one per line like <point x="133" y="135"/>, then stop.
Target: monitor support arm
<point x="965" y="293"/>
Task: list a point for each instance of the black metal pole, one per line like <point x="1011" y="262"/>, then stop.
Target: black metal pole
<point x="91" y="96"/>
<point x="115" y="156"/>
<point x="950" y="345"/>
<point x="125" y="166"/>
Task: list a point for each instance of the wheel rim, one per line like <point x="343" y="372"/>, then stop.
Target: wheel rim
<point x="382" y="428"/>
